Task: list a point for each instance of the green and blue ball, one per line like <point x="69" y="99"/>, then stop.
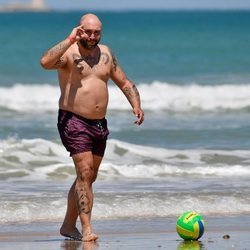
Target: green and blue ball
<point x="190" y="226"/>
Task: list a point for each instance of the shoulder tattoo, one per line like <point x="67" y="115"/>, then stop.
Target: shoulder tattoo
<point x="105" y="57"/>
<point x="115" y="62"/>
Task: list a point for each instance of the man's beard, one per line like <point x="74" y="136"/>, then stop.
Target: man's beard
<point x="87" y="45"/>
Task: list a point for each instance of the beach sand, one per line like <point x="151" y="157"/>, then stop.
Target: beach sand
<point x="153" y="233"/>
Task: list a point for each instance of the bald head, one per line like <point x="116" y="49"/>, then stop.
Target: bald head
<point x="90" y="20"/>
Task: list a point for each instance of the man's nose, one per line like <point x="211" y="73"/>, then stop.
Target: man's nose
<point x="92" y="36"/>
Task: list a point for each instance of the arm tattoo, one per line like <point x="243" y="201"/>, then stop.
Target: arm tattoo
<point x="115" y="63"/>
<point x="55" y="55"/>
<point x="58" y="49"/>
<point x="131" y="92"/>
<point x="59" y="63"/>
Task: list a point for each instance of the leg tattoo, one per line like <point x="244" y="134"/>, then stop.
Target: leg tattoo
<point x="83" y="204"/>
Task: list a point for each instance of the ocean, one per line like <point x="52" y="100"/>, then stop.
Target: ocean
<point x="192" y="69"/>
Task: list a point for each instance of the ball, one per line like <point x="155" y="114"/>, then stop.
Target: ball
<point x="190" y="226"/>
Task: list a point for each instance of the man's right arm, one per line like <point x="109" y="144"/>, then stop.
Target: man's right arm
<point x="54" y="58"/>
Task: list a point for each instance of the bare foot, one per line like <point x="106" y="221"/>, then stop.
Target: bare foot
<point x="89" y="237"/>
<point x="90" y="245"/>
<point x="70" y="232"/>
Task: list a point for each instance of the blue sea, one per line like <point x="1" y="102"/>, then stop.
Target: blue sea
<point x="192" y="69"/>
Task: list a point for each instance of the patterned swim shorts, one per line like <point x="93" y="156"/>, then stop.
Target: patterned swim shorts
<point x="79" y="134"/>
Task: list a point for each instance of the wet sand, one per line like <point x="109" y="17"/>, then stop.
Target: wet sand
<point x="154" y="233"/>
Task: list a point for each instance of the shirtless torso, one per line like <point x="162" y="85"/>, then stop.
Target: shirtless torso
<point x="83" y="82"/>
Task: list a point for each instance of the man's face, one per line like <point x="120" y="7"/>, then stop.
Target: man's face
<point x="91" y="38"/>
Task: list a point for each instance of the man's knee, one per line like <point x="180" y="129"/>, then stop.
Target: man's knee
<point x="84" y="167"/>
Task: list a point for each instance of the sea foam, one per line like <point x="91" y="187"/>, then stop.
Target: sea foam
<point x="40" y="159"/>
<point x="134" y="181"/>
<point x="157" y="96"/>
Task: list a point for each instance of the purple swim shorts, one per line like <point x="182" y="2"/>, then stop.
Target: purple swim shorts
<point x="79" y="134"/>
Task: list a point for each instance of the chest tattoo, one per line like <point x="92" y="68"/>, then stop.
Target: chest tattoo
<point x="89" y="62"/>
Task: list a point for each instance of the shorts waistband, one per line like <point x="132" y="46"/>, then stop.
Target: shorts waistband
<point x="69" y="114"/>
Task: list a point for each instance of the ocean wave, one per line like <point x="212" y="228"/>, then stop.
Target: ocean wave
<point x="31" y="208"/>
<point x="168" y="204"/>
<point x="157" y="96"/>
<point x="134" y="181"/>
<point x="42" y="159"/>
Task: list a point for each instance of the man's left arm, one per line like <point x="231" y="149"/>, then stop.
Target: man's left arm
<point x="128" y="88"/>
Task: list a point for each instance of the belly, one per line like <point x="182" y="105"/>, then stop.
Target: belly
<point x="89" y="99"/>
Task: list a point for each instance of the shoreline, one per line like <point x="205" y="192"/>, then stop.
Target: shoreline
<point x="152" y="233"/>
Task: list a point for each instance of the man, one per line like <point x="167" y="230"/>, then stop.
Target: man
<point x="84" y="67"/>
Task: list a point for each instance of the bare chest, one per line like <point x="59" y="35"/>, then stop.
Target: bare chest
<point x="100" y="65"/>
